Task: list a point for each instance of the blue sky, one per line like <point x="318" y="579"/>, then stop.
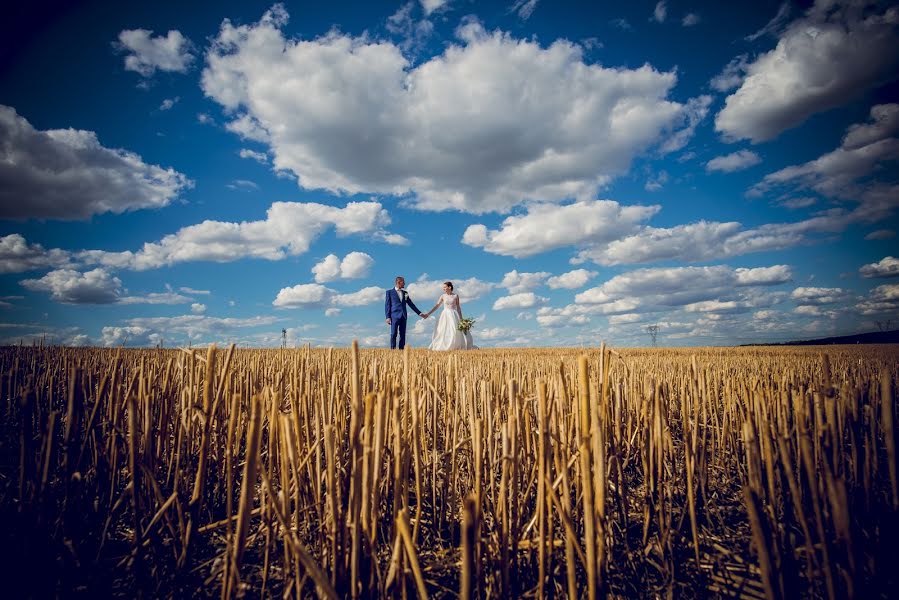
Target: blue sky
<point x="580" y="171"/>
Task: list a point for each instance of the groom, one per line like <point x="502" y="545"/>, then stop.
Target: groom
<point x="395" y="311"/>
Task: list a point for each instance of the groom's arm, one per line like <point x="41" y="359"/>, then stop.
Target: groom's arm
<point x="387" y="306"/>
<point x="412" y="304"/>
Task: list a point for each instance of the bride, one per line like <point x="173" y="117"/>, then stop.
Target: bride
<point x="446" y="334"/>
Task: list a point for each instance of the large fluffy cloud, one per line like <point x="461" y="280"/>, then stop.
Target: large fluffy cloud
<point x="17" y="255"/>
<point x="68" y="174"/>
<point x="147" y="53"/>
<point x="72" y="287"/>
<point x="736" y="161"/>
<point x="546" y="227"/>
<point x="353" y="266"/>
<point x="354" y="115"/>
<point x="518" y="301"/>
<point x="833" y="53"/>
<point x="888" y="266"/>
<point x="468" y="289"/>
<point x="288" y="229"/>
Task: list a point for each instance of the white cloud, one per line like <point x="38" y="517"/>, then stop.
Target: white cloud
<point x="679" y="286"/>
<point x="736" y="161"/>
<point x="731" y="77"/>
<point x="304" y="295"/>
<point x="832" y="54"/>
<point x="429" y="6"/>
<point x="190" y="290"/>
<point x="144" y="331"/>
<point x="881" y="234"/>
<point x="72" y="287"/>
<point x="412" y="33"/>
<point x="571" y="280"/>
<point x="882" y="299"/>
<point x="517" y="282"/>
<point x="845" y="172"/>
<point x="818" y="295"/>
<point x="243" y="184"/>
<point x="146" y="53"/>
<point x="197" y="308"/>
<point x="656" y="183"/>
<point x="469" y="289"/>
<point x="518" y="301"/>
<point x="660" y="12"/>
<point x="67" y="174"/>
<point x="332" y="312"/>
<point x="168" y="297"/>
<point x="524" y="8"/>
<point x="17" y="255"/>
<point x="354" y="265"/>
<point x="365" y="296"/>
<point x="168" y="103"/>
<point x="690" y="19"/>
<point x="546" y="227"/>
<point x="797" y="203"/>
<point x="888" y="266"/>
<point x="288" y="229"/>
<point x="354" y="115"/>
<point x="261" y="157"/>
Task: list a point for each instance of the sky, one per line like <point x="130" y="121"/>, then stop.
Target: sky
<point x="581" y="171"/>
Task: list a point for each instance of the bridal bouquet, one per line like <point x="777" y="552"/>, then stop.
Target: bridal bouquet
<point x="465" y="325"/>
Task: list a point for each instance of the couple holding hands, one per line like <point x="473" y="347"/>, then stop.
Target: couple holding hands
<point x="450" y="333"/>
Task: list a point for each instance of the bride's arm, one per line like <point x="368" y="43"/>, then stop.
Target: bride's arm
<point x="459" y="307"/>
<point x="439" y="300"/>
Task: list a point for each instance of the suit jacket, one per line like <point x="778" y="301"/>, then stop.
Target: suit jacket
<point x="395" y="307"/>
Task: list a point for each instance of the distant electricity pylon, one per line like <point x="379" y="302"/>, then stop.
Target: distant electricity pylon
<point x="653" y="331"/>
<point x="283" y="338"/>
<point x="884" y="325"/>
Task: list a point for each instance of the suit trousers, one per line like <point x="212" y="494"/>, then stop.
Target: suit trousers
<point x="398" y="329"/>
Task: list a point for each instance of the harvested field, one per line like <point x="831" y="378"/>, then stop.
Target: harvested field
<point x="752" y="472"/>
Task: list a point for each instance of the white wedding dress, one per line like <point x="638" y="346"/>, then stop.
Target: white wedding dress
<point x="446" y="334"/>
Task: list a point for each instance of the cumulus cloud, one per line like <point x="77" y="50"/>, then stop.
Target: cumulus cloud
<point x="818" y="295"/>
<point x="353" y="266"/>
<point x="197" y="308"/>
<point x="168" y="297"/>
<point x="146" y="54"/>
<point x="412" y="33"/>
<point x="261" y="157"/>
<point x="832" y="54"/>
<point x="888" y="266"/>
<point x="882" y="299"/>
<point x="679" y="286"/>
<point x="518" y="301"/>
<point x="17" y="255"/>
<point x="288" y="230"/>
<point x="150" y="331"/>
<point x="736" y="161"/>
<point x="72" y="287"/>
<point x="365" y="296"/>
<point x="690" y="19"/>
<point x="571" y="280"/>
<point x="517" y="282"/>
<point x="846" y="172"/>
<point x="168" y="103"/>
<point x="349" y="114"/>
<point x="67" y="174"/>
<point x="304" y="295"/>
<point x="546" y="227"/>
<point x="468" y="289"/>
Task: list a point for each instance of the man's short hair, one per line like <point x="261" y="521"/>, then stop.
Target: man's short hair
<point x="398" y="277"/>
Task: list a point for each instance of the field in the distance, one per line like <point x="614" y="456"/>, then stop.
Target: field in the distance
<point x="745" y="472"/>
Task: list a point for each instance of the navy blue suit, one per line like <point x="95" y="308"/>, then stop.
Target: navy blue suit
<point x="395" y="310"/>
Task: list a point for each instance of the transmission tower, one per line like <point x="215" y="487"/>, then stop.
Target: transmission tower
<point x="653" y="331"/>
<point x="283" y="338"/>
<point x="884" y="325"/>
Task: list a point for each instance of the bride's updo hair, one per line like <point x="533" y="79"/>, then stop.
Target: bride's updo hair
<point x="449" y="283"/>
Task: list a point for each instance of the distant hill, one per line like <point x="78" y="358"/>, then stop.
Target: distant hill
<point x="875" y="337"/>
